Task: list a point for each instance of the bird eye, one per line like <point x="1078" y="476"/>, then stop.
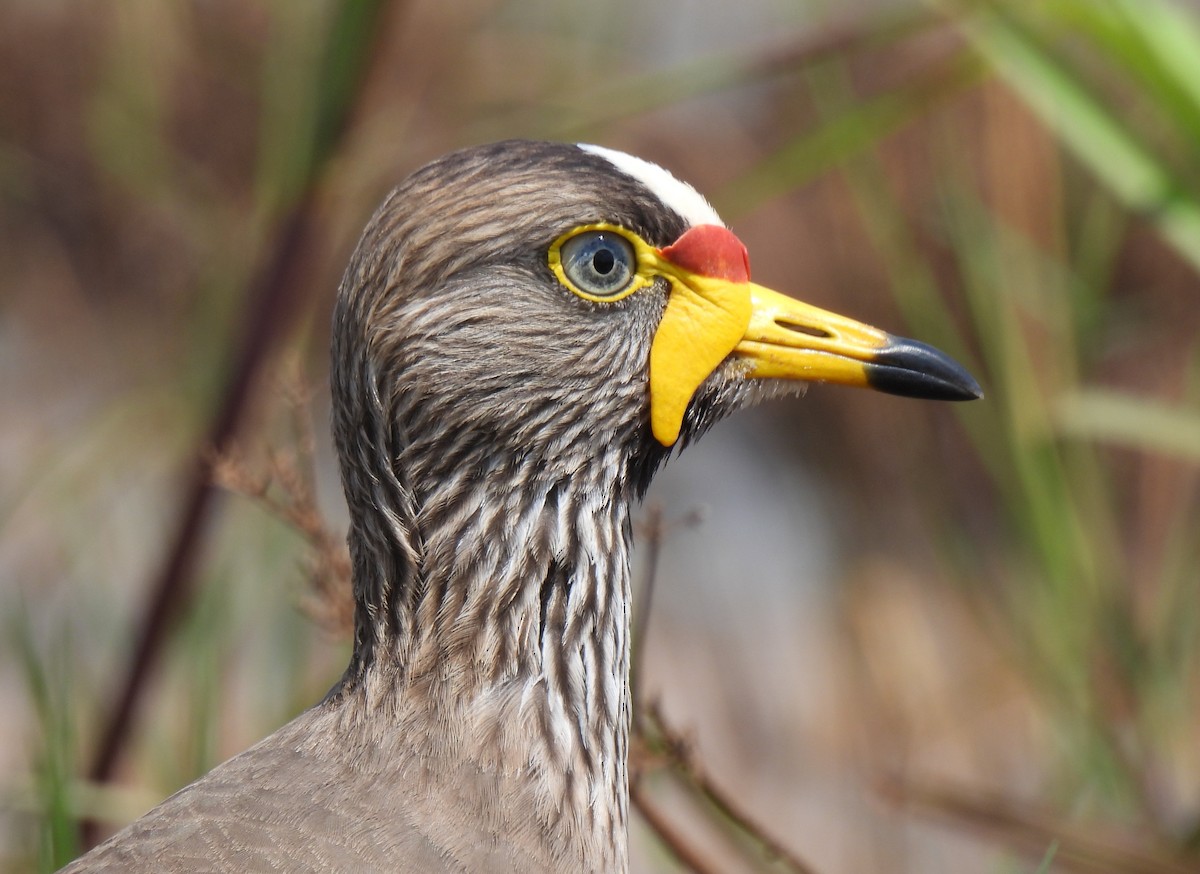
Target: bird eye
<point x="601" y="263"/>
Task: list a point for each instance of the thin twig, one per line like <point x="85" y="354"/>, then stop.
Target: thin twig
<point x="680" y="847"/>
<point x="652" y="537"/>
<point x="285" y="487"/>
<point x="678" y="754"/>
<point x="653" y="531"/>
<point x="1031" y="832"/>
<point x="687" y="767"/>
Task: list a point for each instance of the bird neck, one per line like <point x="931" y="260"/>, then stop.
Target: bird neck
<point x="516" y="580"/>
<point x="508" y="621"/>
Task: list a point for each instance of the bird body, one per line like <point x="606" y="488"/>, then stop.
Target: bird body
<point x="334" y="791"/>
<point x="524" y="333"/>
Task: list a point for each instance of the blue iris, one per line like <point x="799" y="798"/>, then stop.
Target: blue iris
<point x="598" y="262"/>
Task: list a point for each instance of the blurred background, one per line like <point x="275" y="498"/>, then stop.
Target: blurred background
<point x="902" y="637"/>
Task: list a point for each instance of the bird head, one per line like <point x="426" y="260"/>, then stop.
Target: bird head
<point x="548" y="300"/>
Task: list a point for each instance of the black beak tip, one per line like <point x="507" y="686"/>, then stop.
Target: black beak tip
<point x="917" y="370"/>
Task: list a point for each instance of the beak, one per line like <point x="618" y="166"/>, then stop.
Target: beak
<point x="714" y="312"/>
<point x="787" y="339"/>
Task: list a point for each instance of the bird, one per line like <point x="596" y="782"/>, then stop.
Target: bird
<point x="524" y="334"/>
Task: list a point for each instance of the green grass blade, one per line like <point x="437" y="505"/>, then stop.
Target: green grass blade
<point x="1174" y="37"/>
<point x="304" y="121"/>
<point x="1094" y="134"/>
<point x="844" y="134"/>
<point x="1110" y="417"/>
<point x="1048" y="859"/>
<point x="53" y="763"/>
<point x="610" y="101"/>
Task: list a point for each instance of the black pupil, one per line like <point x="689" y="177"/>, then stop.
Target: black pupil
<point x="604" y="261"/>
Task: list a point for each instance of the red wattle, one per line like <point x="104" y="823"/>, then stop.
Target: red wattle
<point x="710" y="250"/>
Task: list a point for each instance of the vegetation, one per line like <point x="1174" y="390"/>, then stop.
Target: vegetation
<point x="1015" y="612"/>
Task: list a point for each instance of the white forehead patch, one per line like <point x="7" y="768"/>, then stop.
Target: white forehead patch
<point x="679" y="196"/>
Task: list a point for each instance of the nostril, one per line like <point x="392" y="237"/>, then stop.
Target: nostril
<point x="802" y="329"/>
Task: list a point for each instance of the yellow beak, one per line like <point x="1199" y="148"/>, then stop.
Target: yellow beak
<point x="787" y="339"/>
<point x="709" y="318"/>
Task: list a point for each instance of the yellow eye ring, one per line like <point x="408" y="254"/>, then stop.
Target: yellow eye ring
<point x="602" y="262"/>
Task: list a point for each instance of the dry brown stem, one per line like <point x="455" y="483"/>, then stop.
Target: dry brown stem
<point x="284" y="484"/>
<point x="1031" y="832"/>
